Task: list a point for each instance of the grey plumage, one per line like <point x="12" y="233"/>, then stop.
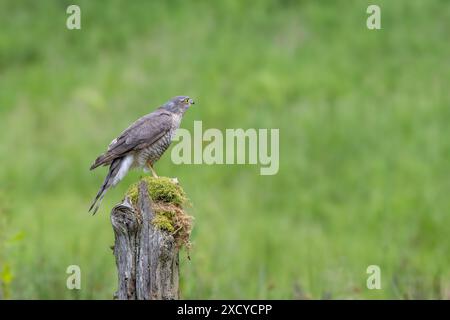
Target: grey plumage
<point x="141" y="144"/>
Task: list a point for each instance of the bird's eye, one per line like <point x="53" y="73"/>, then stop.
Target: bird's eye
<point x="186" y="100"/>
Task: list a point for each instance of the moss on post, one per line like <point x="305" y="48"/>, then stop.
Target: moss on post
<point x="150" y="226"/>
<point x="168" y="203"/>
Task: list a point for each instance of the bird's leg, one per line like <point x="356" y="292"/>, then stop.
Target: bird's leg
<point x="152" y="170"/>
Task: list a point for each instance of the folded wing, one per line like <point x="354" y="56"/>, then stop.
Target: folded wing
<point x="141" y="134"/>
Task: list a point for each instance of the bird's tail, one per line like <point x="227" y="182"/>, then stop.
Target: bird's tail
<point x="109" y="182"/>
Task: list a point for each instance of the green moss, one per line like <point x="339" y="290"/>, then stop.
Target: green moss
<point x="166" y="213"/>
<point x="165" y="190"/>
<point x="164" y="218"/>
<point x="168" y="199"/>
<point x="161" y="189"/>
<point x="162" y="222"/>
<point x="132" y="193"/>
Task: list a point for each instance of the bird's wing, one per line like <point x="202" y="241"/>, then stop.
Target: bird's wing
<point x="141" y="134"/>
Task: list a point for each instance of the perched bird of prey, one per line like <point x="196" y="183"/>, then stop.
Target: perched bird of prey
<point x="141" y="144"/>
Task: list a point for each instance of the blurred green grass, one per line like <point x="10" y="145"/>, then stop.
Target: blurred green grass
<point x="364" y="151"/>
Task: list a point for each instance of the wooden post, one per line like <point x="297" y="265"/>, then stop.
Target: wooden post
<point x="146" y="257"/>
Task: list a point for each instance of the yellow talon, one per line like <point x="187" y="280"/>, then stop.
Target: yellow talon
<point x="152" y="170"/>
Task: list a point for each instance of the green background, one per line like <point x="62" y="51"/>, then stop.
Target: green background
<point x="364" y="150"/>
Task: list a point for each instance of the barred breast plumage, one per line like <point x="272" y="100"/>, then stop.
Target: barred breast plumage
<point x="155" y="151"/>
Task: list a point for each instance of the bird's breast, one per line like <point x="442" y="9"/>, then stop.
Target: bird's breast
<point x="153" y="152"/>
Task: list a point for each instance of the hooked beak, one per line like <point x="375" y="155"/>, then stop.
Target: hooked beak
<point x="191" y="101"/>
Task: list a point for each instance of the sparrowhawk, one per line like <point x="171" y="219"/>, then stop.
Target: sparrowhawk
<point x="141" y="144"/>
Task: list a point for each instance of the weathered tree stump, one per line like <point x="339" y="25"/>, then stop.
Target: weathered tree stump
<point x="147" y="258"/>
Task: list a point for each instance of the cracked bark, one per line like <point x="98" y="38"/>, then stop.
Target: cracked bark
<point x="147" y="258"/>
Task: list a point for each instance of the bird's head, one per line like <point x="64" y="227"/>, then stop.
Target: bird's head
<point x="178" y="104"/>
